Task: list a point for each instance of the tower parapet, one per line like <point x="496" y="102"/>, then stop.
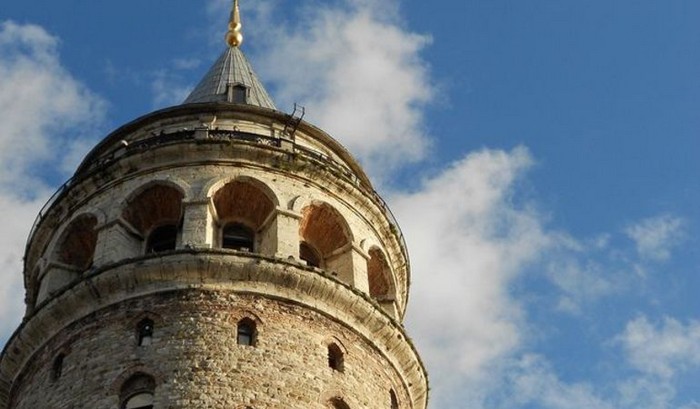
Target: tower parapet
<point x="215" y="254"/>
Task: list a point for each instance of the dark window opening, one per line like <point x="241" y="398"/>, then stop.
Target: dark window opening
<point x="336" y="359"/>
<point x="309" y="255"/>
<point x="57" y="368"/>
<point x="394" y="400"/>
<point x="238" y="237"/>
<point x="246" y="332"/>
<point x="138" y="392"/>
<point x="240" y="94"/>
<point x="145" y="332"/>
<point x="339" y="403"/>
<point x="163" y="238"/>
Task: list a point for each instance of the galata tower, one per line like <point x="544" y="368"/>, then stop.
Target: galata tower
<point x="215" y="254"/>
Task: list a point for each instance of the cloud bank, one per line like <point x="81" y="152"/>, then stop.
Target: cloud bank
<point x="48" y="117"/>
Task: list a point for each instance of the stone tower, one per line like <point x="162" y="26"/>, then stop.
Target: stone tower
<point x="215" y="254"/>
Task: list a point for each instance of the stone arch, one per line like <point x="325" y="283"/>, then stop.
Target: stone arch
<point x="234" y="318"/>
<point x="129" y="372"/>
<point x="152" y="204"/>
<point x="137" y="391"/>
<point x="299" y="202"/>
<point x="155" y="211"/>
<point x="73" y="253"/>
<point x="336" y="354"/>
<point x="75" y="247"/>
<point x="241" y="200"/>
<point x="245" y="209"/>
<point x="379" y="276"/>
<point x="326" y="241"/>
<point x="33" y="289"/>
<point x="324" y="229"/>
<point x="213" y="186"/>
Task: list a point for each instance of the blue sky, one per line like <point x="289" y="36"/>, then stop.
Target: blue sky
<point x="541" y="157"/>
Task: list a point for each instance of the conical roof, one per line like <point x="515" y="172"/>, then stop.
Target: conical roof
<point x="230" y="78"/>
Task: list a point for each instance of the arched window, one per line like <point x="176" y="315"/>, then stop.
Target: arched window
<point x="138" y="392"/>
<point x="144" y="332"/>
<point x="156" y="214"/>
<point x="246" y="332"/>
<point x="77" y="246"/>
<point x="378" y="274"/>
<point x="238" y="236"/>
<point x="309" y="255"/>
<point x="57" y="367"/>
<point x="243" y="208"/>
<point x="394" y="400"/>
<point x="324" y="228"/>
<point x="336" y="359"/>
<point x="163" y="238"/>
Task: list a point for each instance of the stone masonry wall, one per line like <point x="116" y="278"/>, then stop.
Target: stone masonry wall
<point x="197" y="362"/>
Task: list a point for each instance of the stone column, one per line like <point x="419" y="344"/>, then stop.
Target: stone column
<point x="350" y="265"/>
<point x="116" y="241"/>
<point x="280" y="234"/>
<point x="198" y="225"/>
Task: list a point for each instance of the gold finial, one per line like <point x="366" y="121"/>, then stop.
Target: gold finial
<point x="234" y="36"/>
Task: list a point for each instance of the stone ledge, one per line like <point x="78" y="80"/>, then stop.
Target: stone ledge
<point x="219" y="270"/>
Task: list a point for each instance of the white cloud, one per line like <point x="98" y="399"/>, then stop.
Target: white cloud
<point x="532" y="380"/>
<point x="656" y="236"/>
<point x="663" y="351"/>
<point x="467" y="241"/>
<point x="579" y="283"/>
<point x="357" y="70"/>
<point x="16" y="218"/>
<point x="48" y="118"/>
<point x="581" y="270"/>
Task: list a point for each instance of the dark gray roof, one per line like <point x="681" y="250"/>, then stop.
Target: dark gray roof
<point x="231" y="69"/>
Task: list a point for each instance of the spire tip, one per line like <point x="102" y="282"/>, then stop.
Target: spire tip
<point x="234" y="35"/>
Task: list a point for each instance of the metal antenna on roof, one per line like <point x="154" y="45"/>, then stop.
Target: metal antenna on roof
<point x="234" y="36"/>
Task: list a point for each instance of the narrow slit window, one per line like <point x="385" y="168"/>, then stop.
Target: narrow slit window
<point x="336" y="360"/>
<point x="145" y="332"/>
<point x="394" y="400"/>
<point x="246" y="332"/>
<point x="57" y="367"/>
